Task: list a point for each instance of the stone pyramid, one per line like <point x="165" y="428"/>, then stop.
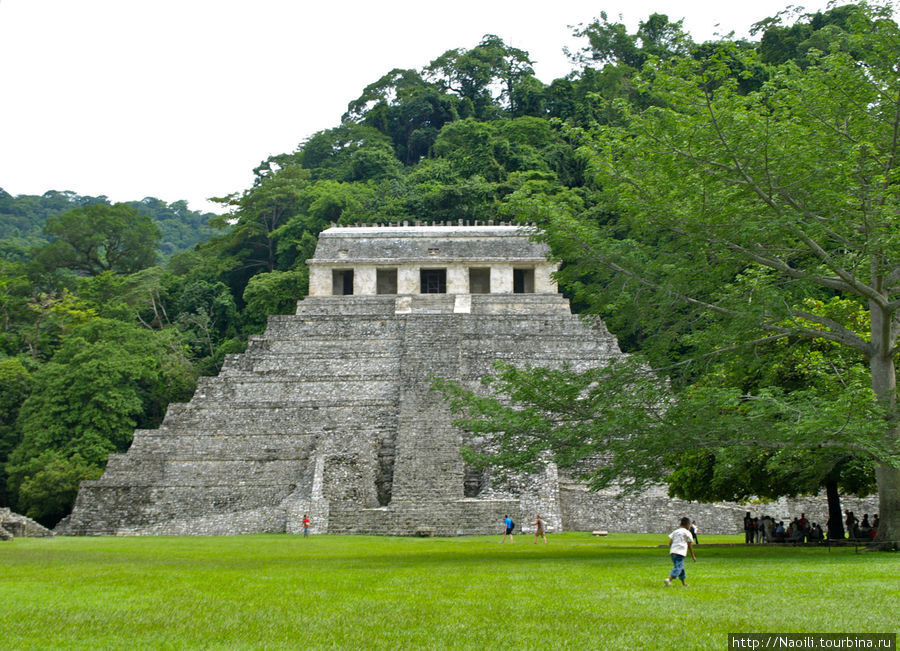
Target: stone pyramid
<point x="329" y="412"/>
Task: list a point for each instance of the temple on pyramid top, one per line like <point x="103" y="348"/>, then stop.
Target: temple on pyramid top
<point x="413" y="260"/>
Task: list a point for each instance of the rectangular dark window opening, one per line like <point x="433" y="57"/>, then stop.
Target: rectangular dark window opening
<point x="479" y="281"/>
<point x="342" y="282"/>
<point x="523" y="281"/>
<point x="433" y="281"/>
<point x="385" y="281"/>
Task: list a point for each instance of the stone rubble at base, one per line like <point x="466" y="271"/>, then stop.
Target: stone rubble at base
<point x="13" y="525"/>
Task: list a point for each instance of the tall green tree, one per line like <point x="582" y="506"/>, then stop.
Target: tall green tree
<point x="328" y="154"/>
<point x="404" y="106"/>
<point x="610" y="43"/>
<point x="485" y="78"/>
<point x="797" y="180"/>
<point x="781" y="43"/>
<point x="97" y="238"/>
<point x="802" y="366"/>
<point x="724" y="210"/>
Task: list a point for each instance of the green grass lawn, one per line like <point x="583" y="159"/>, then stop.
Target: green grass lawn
<point x="579" y="592"/>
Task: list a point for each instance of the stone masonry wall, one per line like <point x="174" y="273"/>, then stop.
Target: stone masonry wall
<point x="330" y="412"/>
<point x="653" y="511"/>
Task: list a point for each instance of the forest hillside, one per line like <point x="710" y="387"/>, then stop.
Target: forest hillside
<point x="108" y="312"/>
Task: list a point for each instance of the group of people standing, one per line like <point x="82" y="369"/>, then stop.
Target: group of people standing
<point x="861" y="530"/>
<point x="765" y="529"/>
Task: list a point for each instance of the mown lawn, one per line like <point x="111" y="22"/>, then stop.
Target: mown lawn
<point x="579" y="592"/>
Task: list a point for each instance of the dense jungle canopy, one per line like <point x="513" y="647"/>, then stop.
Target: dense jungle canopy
<point x="685" y="187"/>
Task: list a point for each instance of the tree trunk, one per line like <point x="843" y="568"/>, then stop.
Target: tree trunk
<point x="884" y="384"/>
<point x="835" y="516"/>
<point x="888" y="504"/>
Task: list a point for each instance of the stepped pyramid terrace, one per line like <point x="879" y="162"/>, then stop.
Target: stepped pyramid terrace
<point x="329" y="412"/>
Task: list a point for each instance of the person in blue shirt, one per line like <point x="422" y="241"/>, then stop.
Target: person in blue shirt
<point x="509" y="529"/>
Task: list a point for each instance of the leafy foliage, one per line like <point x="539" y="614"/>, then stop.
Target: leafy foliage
<point x="106" y="379"/>
<point x="50" y="485"/>
<point x="15" y="386"/>
<point x="274" y="293"/>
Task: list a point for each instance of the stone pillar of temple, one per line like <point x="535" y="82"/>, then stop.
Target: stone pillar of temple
<point x="457" y="279"/>
<point x="543" y="282"/>
<point x="501" y="278"/>
<point x="364" y="283"/>
<point x="319" y="281"/>
<point x="408" y="279"/>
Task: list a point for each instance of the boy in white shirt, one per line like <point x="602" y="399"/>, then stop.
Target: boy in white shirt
<point x="681" y="542"/>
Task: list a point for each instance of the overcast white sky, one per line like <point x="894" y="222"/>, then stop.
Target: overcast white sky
<point x="180" y="99"/>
